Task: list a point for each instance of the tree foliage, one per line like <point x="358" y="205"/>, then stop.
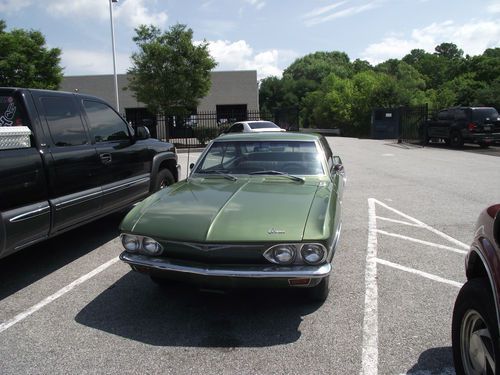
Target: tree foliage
<point x="25" y="60"/>
<point x="332" y="91"/>
<point x="170" y="73"/>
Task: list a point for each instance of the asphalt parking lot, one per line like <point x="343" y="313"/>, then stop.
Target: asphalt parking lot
<point x="68" y="306"/>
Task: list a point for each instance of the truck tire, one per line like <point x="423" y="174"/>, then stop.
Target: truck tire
<point x="456" y="140"/>
<point x="163" y="179"/>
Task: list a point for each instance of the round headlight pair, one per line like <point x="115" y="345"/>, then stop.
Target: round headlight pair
<point x="133" y="244"/>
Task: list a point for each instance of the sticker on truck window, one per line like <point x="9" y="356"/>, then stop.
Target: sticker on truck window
<point x="8" y="107"/>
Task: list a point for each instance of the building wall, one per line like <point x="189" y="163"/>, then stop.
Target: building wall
<point x="231" y="87"/>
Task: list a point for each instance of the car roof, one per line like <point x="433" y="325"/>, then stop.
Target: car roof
<point x="269" y="136"/>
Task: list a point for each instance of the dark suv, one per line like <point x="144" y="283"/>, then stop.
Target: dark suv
<point x="459" y="125"/>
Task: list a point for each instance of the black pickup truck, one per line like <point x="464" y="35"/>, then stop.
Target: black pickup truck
<point x="76" y="160"/>
<point x="459" y="125"/>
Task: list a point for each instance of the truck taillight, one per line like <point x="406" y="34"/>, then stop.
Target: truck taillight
<point x="472" y="127"/>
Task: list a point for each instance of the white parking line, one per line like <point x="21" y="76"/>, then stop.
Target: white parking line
<point x="56" y="295"/>
<point x="398" y="221"/>
<point x="369" y="365"/>
<point x="411" y="239"/>
<point x="420" y="273"/>
<point x="423" y="225"/>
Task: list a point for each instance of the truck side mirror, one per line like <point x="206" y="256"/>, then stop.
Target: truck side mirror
<point x="141" y="132"/>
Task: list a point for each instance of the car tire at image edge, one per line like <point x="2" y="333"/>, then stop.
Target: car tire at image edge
<point x="475" y="328"/>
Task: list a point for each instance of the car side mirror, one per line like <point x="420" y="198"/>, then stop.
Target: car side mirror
<point x="338" y="167"/>
<point x="141" y="132"/>
<point x="191" y="166"/>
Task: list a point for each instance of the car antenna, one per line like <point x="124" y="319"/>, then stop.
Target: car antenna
<point x="187" y="166"/>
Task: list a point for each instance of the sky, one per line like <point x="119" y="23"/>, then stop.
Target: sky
<point x="262" y="35"/>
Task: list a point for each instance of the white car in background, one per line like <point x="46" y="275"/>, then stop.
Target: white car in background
<point x="254" y="127"/>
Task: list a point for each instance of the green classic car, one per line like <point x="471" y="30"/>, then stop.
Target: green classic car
<point x="258" y="209"/>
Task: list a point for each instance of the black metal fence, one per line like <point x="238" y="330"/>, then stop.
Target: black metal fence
<point x="411" y="121"/>
<point x="199" y="128"/>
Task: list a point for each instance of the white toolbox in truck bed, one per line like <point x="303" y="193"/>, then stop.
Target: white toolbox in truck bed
<point x="14" y="137"/>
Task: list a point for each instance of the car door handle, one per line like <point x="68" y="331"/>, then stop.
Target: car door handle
<point x="105" y="158"/>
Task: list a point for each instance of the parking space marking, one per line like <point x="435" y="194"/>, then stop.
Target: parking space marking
<point x="423" y="225"/>
<point x="420" y="273"/>
<point x="21" y="316"/>
<point x="398" y="221"/>
<point x="416" y="240"/>
<point x="369" y="365"/>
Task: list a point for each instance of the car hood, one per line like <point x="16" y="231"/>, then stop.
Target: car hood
<point x="263" y="209"/>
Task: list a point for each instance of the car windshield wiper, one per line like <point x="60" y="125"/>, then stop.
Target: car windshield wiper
<point x="291" y="177"/>
<point x="221" y="173"/>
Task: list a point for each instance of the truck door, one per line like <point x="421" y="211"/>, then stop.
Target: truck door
<point x="73" y="164"/>
<point x="24" y="206"/>
<point x="127" y="164"/>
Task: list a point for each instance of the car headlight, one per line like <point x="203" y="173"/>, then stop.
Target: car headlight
<point x="313" y="253"/>
<point x="151" y="246"/>
<point x="130" y="243"/>
<point x="281" y="254"/>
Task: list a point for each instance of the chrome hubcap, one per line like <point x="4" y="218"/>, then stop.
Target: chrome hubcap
<point x="476" y="345"/>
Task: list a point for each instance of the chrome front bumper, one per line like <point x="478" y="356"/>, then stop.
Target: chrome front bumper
<point x="148" y="264"/>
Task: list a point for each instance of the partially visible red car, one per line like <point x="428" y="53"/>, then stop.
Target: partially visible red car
<point x="476" y="315"/>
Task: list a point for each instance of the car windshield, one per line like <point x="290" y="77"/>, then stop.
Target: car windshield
<point x="262" y="125"/>
<point x="481" y="114"/>
<point x="262" y="157"/>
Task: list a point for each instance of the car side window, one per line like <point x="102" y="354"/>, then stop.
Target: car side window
<point x="105" y="124"/>
<point x="236" y="128"/>
<point x="64" y="121"/>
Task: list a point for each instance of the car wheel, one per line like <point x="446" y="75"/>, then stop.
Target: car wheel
<point x="164" y="178"/>
<point x="456" y="140"/>
<point x="475" y="330"/>
<point x="319" y="293"/>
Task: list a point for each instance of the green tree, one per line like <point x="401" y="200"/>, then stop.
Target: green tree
<point x="170" y="73"/>
<point x="25" y="60"/>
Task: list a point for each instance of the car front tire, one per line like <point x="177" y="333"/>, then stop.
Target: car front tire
<point x="475" y="330"/>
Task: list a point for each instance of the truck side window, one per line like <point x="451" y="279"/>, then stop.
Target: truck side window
<point x="63" y="118"/>
<point x="105" y="124"/>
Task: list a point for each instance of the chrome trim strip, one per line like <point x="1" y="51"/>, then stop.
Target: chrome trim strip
<point x="74" y="201"/>
<point x="126" y="185"/>
<point x="29" y="215"/>
<point x="253" y="272"/>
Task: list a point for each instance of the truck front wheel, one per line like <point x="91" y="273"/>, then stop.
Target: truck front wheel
<point x="163" y="179"/>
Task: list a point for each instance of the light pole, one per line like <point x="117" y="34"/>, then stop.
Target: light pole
<point x="114" y="53"/>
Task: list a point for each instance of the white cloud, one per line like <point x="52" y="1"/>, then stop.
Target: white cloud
<point x="317" y="16"/>
<point x="319" y="11"/>
<point x="80" y="62"/>
<point x="131" y="12"/>
<point x="240" y="56"/>
<point x="473" y="38"/>
<point x="13" y="6"/>
<point x="258" y="4"/>
<point x="494" y="8"/>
